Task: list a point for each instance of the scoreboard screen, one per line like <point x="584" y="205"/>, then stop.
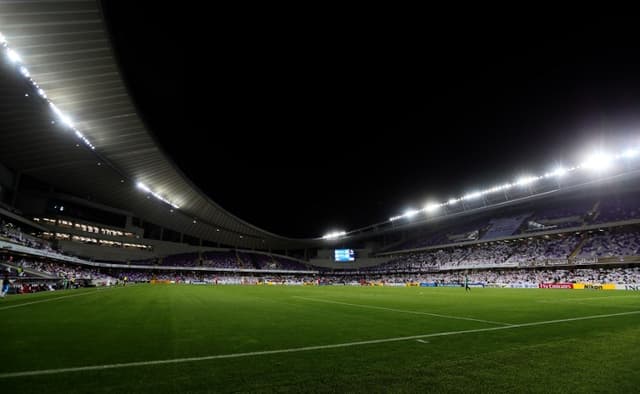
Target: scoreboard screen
<point x="345" y="255"/>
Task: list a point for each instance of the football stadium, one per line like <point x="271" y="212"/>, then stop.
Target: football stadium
<point x="119" y="274"/>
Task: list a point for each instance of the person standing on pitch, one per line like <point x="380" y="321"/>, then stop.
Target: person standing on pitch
<point x="466" y="283"/>
<point x="4" y="284"/>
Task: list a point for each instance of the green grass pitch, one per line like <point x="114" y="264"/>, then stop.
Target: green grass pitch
<point x="387" y="340"/>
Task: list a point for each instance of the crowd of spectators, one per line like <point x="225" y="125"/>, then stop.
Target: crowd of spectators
<point x="520" y="252"/>
<point x="64" y="271"/>
<point x="13" y="233"/>
<point x="71" y="275"/>
<point x="554" y="216"/>
<point x="611" y="244"/>
<point x="530" y="251"/>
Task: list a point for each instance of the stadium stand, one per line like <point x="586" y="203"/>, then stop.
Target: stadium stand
<point x="488" y="277"/>
<point x="573" y="214"/>
<point x="501" y="248"/>
<point x="505" y="226"/>
<point x="618" y="208"/>
<point x="612" y="245"/>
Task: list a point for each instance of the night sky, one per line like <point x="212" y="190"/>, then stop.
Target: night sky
<point x="319" y="123"/>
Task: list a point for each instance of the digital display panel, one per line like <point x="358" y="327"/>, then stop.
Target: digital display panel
<point x="345" y="255"/>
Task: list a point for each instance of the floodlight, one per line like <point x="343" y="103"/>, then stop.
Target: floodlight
<point x="559" y="171"/>
<point x="598" y="162"/>
<point x="526" y="180"/>
<point x="142" y="186"/>
<point x="334" y="235"/>
<point x="64" y="118"/>
<point x="472" y="196"/>
<point x="409" y="213"/>
<point x="431" y="207"/>
<point x="13" y="56"/>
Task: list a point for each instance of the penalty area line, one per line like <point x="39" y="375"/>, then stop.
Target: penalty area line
<point x="300" y="349"/>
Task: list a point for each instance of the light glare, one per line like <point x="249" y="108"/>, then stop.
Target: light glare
<point x="13" y="56"/>
<point x="334" y="235"/>
<point x="431" y="207"/>
<point x="526" y="180"/>
<point x="143" y="187"/>
<point x="64" y="118"/>
<point x="560" y="171"/>
<point x="409" y="213"/>
<point x="598" y="162"/>
<point x="472" y="196"/>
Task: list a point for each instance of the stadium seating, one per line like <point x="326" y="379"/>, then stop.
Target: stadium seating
<point x="611" y="245"/>
<point x="556" y="216"/>
<point x="618" y="208"/>
<point x="504" y="226"/>
<point x="489" y="277"/>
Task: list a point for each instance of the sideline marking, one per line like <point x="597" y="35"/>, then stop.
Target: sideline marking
<point x="406" y="311"/>
<point x="48" y="299"/>
<point x="300" y="349"/>
<point x="590" y="298"/>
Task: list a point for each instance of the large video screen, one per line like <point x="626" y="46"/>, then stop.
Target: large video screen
<point x="345" y="255"/>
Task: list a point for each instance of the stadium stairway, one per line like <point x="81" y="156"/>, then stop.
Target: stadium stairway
<point x="593" y="214"/>
<point x="248" y="262"/>
<point x="578" y="247"/>
<point x="464" y="256"/>
<point x="253" y="261"/>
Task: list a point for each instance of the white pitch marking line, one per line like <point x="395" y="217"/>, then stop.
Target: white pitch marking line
<point x="590" y="298"/>
<point x="47" y="300"/>
<point x="300" y="349"/>
<point x="405" y="311"/>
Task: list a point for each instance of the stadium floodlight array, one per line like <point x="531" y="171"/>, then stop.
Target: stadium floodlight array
<point x="145" y="188"/>
<point x="597" y="162"/>
<point x="15" y="59"/>
<point x="431" y="207"/>
<point x="334" y="235"/>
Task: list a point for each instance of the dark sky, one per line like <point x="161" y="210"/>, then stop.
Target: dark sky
<point x="302" y="125"/>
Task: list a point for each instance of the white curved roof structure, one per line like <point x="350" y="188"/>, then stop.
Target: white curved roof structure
<point x="66" y="49"/>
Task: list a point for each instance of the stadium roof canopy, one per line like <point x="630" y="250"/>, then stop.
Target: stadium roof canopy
<point x="65" y="50"/>
<point x="65" y="47"/>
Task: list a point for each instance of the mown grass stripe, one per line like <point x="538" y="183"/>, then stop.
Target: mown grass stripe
<point x="301" y="349"/>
